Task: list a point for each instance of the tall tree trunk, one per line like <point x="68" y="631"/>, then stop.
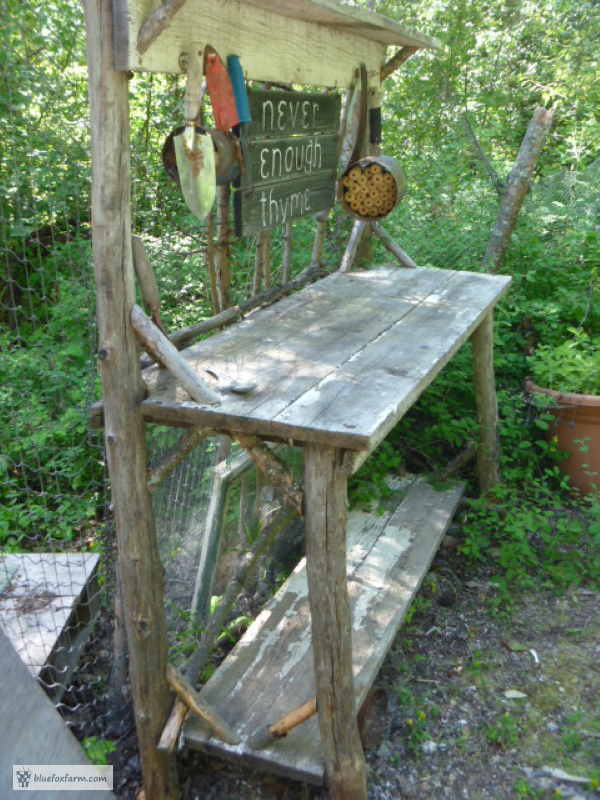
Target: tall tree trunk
<point x="518" y="185"/>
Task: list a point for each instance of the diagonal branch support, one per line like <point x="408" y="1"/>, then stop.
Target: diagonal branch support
<point x="165" y="352"/>
<point x="157" y="22"/>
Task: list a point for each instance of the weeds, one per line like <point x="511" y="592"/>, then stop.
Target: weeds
<point x="504" y="733"/>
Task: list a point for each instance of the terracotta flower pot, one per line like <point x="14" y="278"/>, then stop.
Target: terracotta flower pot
<point x="576" y="428"/>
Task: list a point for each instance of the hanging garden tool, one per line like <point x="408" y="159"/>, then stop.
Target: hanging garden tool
<point x="240" y="91"/>
<point x="194" y="150"/>
<point x="354" y="120"/>
<point x="220" y="90"/>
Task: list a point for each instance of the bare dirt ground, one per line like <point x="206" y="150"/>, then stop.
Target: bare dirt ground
<point x="468" y="704"/>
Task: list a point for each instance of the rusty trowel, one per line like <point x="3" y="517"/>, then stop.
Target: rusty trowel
<point x="194" y="151"/>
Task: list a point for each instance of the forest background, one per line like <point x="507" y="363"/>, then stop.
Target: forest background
<point x="498" y="61"/>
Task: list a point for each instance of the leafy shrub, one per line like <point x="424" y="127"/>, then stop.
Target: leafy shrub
<point x="50" y="477"/>
<point x="572" y="366"/>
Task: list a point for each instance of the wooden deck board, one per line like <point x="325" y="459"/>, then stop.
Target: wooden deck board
<point x="270" y="670"/>
<point x="337" y="363"/>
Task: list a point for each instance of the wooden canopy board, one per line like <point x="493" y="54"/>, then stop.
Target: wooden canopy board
<point x="337" y="363"/>
<point x="314" y="42"/>
<point x="290" y="157"/>
<point x="270" y="671"/>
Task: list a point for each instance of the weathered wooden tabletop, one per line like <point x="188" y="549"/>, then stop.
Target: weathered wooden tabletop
<point x="338" y="363"/>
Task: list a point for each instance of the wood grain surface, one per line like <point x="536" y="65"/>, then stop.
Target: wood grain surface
<point x="337" y="363"/>
<point x="270" y="671"/>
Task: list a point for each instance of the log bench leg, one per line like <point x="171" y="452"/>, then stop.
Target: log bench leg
<point x="325" y="486"/>
<point x="482" y="339"/>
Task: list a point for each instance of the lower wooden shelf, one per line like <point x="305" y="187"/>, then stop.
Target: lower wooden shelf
<point x="270" y="671"/>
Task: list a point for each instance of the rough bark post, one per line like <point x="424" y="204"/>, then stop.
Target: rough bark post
<point x="482" y="339"/>
<point x="156" y="23"/>
<point x="356" y="234"/>
<point x="319" y="240"/>
<point x="286" y="264"/>
<point x="371" y="146"/>
<point x="325" y="481"/>
<point x="139" y="568"/>
<point x="391" y="245"/>
<point x="392" y="64"/>
<point x="274" y="469"/>
<point x="211" y="265"/>
<point x="262" y="262"/>
<point x="187" y="442"/>
<point x="518" y="185"/>
<point x="223" y="267"/>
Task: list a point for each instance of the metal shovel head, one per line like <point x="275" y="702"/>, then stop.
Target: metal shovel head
<point x="195" y="156"/>
<point x="227" y="164"/>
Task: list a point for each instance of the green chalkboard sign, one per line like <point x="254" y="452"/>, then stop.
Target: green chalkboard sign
<point x="290" y="157"/>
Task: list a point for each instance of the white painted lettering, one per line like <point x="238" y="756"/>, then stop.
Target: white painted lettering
<point x="317" y="161"/>
<point x="281" y="115"/>
<point x="284" y="209"/>
<point x="294" y="112"/>
<point x="264" y="172"/>
<point x="263" y="203"/>
<point x="273" y="205"/>
<point x="305" y="114"/>
<point x="309" y="157"/>
<point x="267" y="106"/>
<point x="306" y="201"/>
<point x="289" y="162"/>
<point x="276" y="163"/>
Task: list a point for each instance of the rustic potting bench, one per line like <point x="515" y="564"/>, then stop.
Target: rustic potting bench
<point x="332" y="368"/>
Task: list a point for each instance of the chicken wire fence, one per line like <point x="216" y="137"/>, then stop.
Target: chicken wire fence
<point x="57" y="583"/>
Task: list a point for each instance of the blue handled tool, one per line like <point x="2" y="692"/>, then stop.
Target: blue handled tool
<point x="236" y="75"/>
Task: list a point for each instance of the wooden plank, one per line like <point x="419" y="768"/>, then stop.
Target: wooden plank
<point x="275" y="204"/>
<point x="338" y="362"/>
<point x="139" y="568"/>
<point x="39" y="593"/>
<point x="299" y="51"/>
<point x="270" y="671"/>
<point x="203" y="586"/>
<point x="277" y="113"/>
<point x="376" y="386"/>
<point x="272" y="160"/>
<point x="280" y="345"/>
<point x="341" y="15"/>
<point x="33" y="731"/>
<point x="325" y="486"/>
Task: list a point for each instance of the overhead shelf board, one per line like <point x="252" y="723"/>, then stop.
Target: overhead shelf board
<point x="342" y="16"/>
<point x="311" y="42"/>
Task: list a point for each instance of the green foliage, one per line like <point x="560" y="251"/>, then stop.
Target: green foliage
<point x="368" y="486"/>
<point x="571" y="366"/>
<point x="98" y="750"/>
<point x="505" y="732"/>
<point x="49" y="477"/>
